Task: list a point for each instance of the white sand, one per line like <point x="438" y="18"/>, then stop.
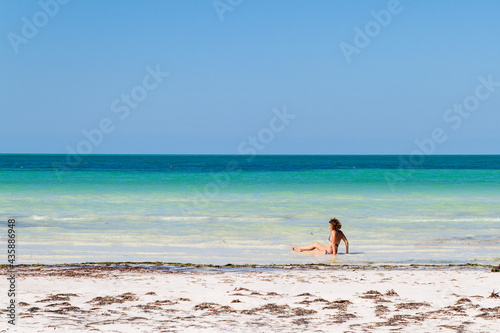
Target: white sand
<point x="277" y="300"/>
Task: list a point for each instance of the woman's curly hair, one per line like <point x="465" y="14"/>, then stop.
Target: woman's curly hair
<point x="336" y="225"/>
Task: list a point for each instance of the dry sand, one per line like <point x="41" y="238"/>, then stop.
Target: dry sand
<point x="137" y="299"/>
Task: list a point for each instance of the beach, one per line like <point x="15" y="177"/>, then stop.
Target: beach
<point x="250" y="166"/>
<point x="95" y="249"/>
<point x="293" y="298"/>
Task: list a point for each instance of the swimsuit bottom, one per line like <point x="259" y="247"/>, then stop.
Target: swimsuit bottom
<point x="326" y="252"/>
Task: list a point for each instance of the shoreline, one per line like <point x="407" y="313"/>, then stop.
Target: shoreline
<point x="312" y="266"/>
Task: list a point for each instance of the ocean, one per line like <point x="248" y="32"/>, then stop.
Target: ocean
<point x="236" y="209"/>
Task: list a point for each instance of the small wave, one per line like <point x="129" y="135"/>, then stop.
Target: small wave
<point x="74" y="218"/>
<point x="184" y="218"/>
<point x="451" y="219"/>
<point x="38" y="217"/>
<point x="84" y="217"/>
<point x="250" y="219"/>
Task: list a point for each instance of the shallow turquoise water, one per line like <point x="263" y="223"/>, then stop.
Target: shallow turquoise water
<point x="236" y="209"/>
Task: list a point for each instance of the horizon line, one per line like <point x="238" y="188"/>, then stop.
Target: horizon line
<point x="232" y="154"/>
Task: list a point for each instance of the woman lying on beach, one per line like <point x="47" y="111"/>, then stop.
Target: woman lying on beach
<point x="333" y="242"/>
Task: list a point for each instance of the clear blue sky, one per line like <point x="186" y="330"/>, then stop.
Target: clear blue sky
<point x="226" y="76"/>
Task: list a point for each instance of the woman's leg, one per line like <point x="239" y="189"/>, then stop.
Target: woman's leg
<point x="311" y="247"/>
<point x="309" y="252"/>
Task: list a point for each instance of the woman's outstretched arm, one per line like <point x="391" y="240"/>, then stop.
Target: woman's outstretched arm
<point x="346" y="242"/>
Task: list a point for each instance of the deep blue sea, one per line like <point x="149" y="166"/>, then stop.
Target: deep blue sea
<point x="219" y="209"/>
